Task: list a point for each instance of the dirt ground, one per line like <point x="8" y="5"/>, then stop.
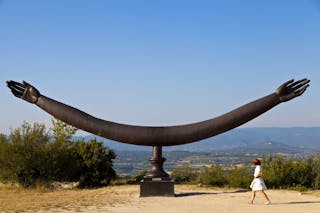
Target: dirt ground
<point x="125" y="199"/>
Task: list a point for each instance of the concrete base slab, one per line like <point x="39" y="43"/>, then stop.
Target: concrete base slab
<point x="157" y="187"/>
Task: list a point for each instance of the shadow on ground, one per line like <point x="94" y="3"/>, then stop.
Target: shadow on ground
<point x="194" y="194"/>
<point x="208" y="193"/>
<point x="296" y="203"/>
<point x="303" y="202"/>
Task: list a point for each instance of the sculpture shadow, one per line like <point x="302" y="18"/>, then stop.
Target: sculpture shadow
<point x="208" y="193"/>
<point x="238" y="191"/>
<point x="297" y="202"/>
<point x="194" y="194"/>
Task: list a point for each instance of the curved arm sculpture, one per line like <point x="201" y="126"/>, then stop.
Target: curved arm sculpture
<point x="159" y="136"/>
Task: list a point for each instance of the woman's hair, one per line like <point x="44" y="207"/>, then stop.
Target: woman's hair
<point x="256" y="162"/>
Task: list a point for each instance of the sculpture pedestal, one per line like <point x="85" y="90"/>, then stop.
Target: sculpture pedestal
<point x="157" y="182"/>
<point x="157" y="187"/>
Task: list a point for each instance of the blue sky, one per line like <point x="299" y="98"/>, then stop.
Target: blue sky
<point x="160" y="62"/>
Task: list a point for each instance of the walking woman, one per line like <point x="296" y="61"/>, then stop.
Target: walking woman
<point x="258" y="184"/>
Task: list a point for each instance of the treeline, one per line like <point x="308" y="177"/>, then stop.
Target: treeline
<point x="278" y="172"/>
<point x="33" y="155"/>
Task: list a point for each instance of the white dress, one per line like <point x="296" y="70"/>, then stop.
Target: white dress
<point x="258" y="184"/>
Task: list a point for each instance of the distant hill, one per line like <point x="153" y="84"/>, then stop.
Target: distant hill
<point x="133" y="162"/>
<point x="269" y="147"/>
<point x="237" y="146"/>
<point x="296" y="137"/>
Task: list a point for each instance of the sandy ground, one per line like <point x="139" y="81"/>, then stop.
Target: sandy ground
<point x="125" y="199"/>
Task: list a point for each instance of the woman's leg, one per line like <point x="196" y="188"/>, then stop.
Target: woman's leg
<point x="266" y="196"/>
<point x="253" y="196"/>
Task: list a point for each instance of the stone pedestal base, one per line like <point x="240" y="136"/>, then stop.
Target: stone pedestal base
<point x="157" y="187"/>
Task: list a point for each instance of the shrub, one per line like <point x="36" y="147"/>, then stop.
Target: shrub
<point x="4" y="156"/>
<point x="30" y="155"/>
<point x="212" y="176"/>
<point x="61" y="131"/>
<point x="63" y="160"/>
<point x="23" y="154"/>
<point x="232" y="177"/>
<point x="139" y="177"/>
<point x="314" y="162"/>
<point x="238" y="177"/>
<point x="96" y="164"/>
<point x="184" y="174"/>
<point x="279" y="172"/>
<point x="274" y="173"/>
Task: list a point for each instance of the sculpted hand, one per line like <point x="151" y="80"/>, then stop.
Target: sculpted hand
<point x="24" y="91"/>
<point x="291" y="89"/>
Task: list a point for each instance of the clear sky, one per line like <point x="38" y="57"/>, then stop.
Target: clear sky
<point x="162" y="62"/>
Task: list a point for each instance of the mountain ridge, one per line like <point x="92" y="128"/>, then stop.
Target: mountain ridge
<point x="299" y="137"/>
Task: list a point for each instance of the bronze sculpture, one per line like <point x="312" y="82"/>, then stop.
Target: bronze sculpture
<point x="159" y="136"/>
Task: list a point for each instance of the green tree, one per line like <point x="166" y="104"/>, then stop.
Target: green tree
<point x="62" y="132"/>
<point x="273" y="172"/>
<point x="25" y="154"/>
<point x="96" y="164"/>
<point x="89" y="162"/>
<point x="314" y="163"/>
<point x="280" y="172"/>
<point x="30" y="155"/>
<point x="4" y="156"/>
<point x="63" y="160"/>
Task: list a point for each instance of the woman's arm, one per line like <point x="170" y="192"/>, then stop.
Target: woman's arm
<point x="158" y="136"/>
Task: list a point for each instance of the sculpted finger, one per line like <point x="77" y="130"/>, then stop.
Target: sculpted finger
<point x="306" y="81"/>
<point x="26" y="83"/>
<point x="302" y="90"/>
<point x="297" y="82"/>
<point x="17" y="88"/>
<point x="288" y="82"/>
<point x="16" y="93"/>
<point x="10" y="84"/>
<point x="301" y="84"/>
<point x="16" y="83"/>
<point x="19" y="85"/>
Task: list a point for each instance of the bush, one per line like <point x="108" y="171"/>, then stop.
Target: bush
<point x="184" y="174"/>
<point x="139" y="177"/>
<point x="314" y="162"/>
<point x="279" y="172"/>
<point x="212" y="176"/>
<point x="31" y="155"/>
<point x="96" y="164"/>
<point x="63" y="162"/>
<point x="4" y="156"/>
<point x="218" y="176"/>
<point x="23" y="154"/>
<point x="238" y="177"/>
